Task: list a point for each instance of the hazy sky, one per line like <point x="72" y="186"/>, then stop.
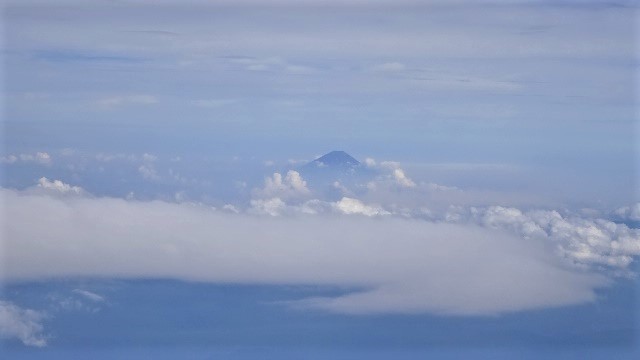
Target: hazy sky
<point x="165" y="140"/>
<point x="529" y="84"/>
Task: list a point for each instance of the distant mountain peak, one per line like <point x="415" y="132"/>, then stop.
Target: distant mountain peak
<point x="335" y="174"/>
<point x="336" y="158"/>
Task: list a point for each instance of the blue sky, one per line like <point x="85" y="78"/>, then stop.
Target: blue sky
<point x="160" y="147"/>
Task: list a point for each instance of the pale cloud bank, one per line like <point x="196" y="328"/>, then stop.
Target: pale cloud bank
<point x="400" y="265"/>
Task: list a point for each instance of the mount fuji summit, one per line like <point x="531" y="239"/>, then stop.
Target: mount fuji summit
<point x="333" y="168"/>
<point x="335" y="159"/>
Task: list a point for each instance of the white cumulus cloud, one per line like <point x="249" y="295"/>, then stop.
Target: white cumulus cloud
<point x="582" y="242"/>
<point x="391" y="172"/>
<point x="402" y="179"/>
<point x="292" y="185"/>
<point x="273" y="206"/>
<point x="631" y="212"/>
<point x="148" y="172"/>
<point x="56" y="188"/>
<point x="351" y="206"/>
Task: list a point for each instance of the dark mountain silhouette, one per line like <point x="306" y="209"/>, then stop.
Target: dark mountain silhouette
<point x="335" y="159"/>
<point x="325" y="173"/>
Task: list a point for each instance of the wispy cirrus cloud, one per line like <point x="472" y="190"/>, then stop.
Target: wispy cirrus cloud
<point x="66" y="56"/>
<point x="123" y="100"/>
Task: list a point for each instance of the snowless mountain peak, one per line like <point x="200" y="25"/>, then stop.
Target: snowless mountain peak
<point x="336" y="159"/>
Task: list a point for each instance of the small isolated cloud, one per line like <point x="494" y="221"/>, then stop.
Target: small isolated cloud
<point x="41" y="158"/>
<point x="22" y="324"/>
<point x="294" y="162"/>
<point x="56" y="187"/>
<point x="462" y="82"/>
<point x="9" y="159"/>
<point x="391" y="171"/>
<point x="258" y="64"/>
<point x="389" y="164"/>
<point x="77" y="300"/>
<point x="628" y="213"/>
<point x="341" y="188"/>
<point x="402" y="179"/>
<point x="272" y="207"/>
<point x="123" y="100"/>
<point x="104" y="157"/>
<point x="148" y="172"/>
<point x="149" y="157"/>
<point x="230" y="208"/>
<point x="369" y="162"/>
<point x="144" y="158"/>
<point x="272" y="64"/>
<point x="291" y="186"/>
<point x="388" y="67"/>
<point x="68" y="152"/>
<point x="180" y="196"/>
<point x="352" y="206"/>
<point x="89" y="295"/>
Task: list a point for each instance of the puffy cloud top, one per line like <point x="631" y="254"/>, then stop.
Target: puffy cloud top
<point x="354" y="206"/>
<point x="584" y="242"/>
<point x="290" y="186"/>
<point x="627" y="213"/>
<point x="402" y="179"/>
<point x="57" y="187"/>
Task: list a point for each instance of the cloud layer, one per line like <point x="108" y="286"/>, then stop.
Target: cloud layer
<point x="399" y="265"/>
